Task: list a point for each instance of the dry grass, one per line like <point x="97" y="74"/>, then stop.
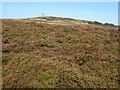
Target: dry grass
<point x="42" y="55"/>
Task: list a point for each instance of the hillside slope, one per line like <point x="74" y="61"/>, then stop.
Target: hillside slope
<point x="43" y="55"/>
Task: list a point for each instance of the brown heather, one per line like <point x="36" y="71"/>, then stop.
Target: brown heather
<point x="56" y="55"/>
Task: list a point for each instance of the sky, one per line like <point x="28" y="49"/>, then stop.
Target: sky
<point x="105" y="12"/>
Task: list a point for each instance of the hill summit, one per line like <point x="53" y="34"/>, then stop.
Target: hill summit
<point x="69" y="20"/>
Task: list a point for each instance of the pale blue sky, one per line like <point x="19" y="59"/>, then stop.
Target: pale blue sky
<point x="94" y="11"/>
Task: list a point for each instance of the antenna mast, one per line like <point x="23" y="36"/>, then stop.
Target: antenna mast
<point x="42" y="15"/>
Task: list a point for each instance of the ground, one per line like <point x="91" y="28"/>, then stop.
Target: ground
<point x="49" y="55"/>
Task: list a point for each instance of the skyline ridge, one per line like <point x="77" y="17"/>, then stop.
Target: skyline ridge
<point x="105" y="12"/>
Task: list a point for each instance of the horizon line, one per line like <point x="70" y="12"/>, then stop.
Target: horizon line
<point x="62" y="17"/>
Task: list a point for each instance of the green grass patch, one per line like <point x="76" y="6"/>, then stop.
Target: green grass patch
<point x="44" y="76"/>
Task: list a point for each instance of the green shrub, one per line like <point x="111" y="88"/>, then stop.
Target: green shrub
<point x="44" y="76"/>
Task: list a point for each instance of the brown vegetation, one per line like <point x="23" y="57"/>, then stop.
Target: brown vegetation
<point x="42" y="55"/>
